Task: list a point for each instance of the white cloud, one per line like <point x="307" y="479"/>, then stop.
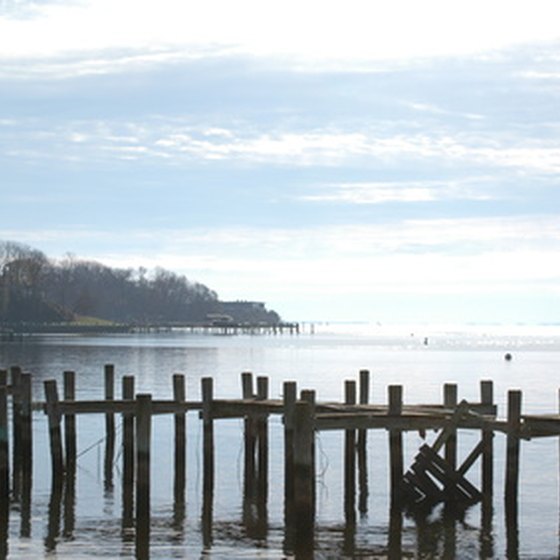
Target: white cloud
<point x="183" y="142"/>
<point x="403" y="191"/>
<point x="327" y="32"/>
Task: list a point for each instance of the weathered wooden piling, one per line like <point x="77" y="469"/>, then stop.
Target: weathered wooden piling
<point x="262" y="453"/>
<point x="304" y="480"/>
<point x="364" y="390"/>
<point x="450" y="402"/>
<point x="207" y="384"/>
<point x="27" y="453"/>
<point x="109" y="371"/>
<point x="4" y="451"/>
<point x="55" y="435"/>
<point x="350" y="459"/>
<point x="69" y="391"/>
<point x="512" y="444"/>
<point x="289" y="401"/>
<point x="143" y="445"/>
<point x="487" y="398"/>
<point x="128" y="439"/>
<point x="250" y="440"/>
<point x="396" y="461"/>
<point x="180" y="422"/>
<point x="15" y="375"/>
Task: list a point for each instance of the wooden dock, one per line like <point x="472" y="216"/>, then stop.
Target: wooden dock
<point x="433" y="477"/>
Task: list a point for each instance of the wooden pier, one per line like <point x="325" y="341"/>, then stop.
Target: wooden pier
<point x="433" y="477"/>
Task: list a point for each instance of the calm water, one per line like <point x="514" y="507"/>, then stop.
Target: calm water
<point x="320" y="361"/>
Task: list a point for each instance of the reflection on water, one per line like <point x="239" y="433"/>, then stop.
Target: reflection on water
<point x="92" y="512"/>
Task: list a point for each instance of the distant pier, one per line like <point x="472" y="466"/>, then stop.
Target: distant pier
<point x="16" y="331"/>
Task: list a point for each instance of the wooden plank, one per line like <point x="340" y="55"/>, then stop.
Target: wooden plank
<point x="471" y="458"/>
<point x="454" y="482"/>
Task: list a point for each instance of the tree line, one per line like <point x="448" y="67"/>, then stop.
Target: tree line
<point x="35" y="288"/>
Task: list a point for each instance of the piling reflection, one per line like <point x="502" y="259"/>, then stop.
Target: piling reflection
<point x="69" y="503"/>
<point x="55" y="502"/>
<point x="486" y="530"/>
<point x="512" y="530"/>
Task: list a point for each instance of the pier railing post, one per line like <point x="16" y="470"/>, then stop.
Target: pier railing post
<point x="143" y="444"/>
<point x="512" y="472"/>
<point x="364" y="389"/>
<point x="512" y="459"/>
<point x="109" y="426"/>
<point x="207" y="459"/>
<point x="54" y="418"/>
<point x="69" y="391"/>
<point x="15" y="374"/>
<point x="289" y="396"/>
<point x="304" y="481"/>
<point x="450" y="402"/>
<point x="179" y="395"/>
<point x="27" y="454"/>
<point x="4" y="459"/>
<point x="250" y="441"/>
<point x="262" y="454"/>
<point x="350" y="459"/>
<point x="128" y="455"/>
<point x="487" y="397"/>
<point x="396" y="444"/>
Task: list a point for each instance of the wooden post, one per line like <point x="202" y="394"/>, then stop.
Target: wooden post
<point x="109" y="426"/>
<point x="512" y="459"/>
<point x="4" y="454"/>
<point x="350" y="460"/>
<point x="70" y="421"/>
<point x="250" y="441"/>
<point x="27" y="454"/>
<point x="303" y="480"/>
<point x="53" y="415"/>
<point x="309" y="396"/>
<point x="364" y="389"/>
<point x="262" y="453"/>
<point x="128" y="455"/>
<point x="487" y="397"/>
<point x="290" y="392"/>
<point x="15" y="374"/>
<point x="395" y="444"/>
<point x="179" y="395"/>
<point x="450" y="402"/>
<point x="208" y="459"/>
<point x="143" y="443"/>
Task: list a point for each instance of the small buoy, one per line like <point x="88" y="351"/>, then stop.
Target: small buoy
<point x="507" y="357"/>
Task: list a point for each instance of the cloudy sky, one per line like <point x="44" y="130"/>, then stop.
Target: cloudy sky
<point x="351" y="160"/>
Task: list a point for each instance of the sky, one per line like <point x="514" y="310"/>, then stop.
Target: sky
<point x="339" y="160"/>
